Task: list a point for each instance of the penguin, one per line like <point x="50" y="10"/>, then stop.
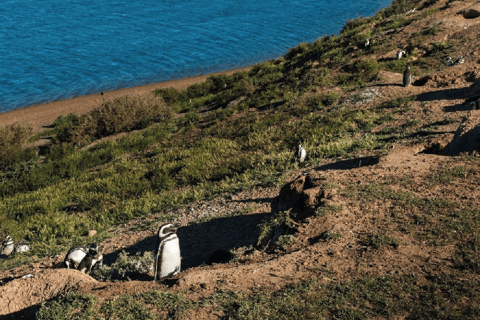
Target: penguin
<point x="76" y="254"/>
<point x="449" y="62"/>
<point x="407" y="76"/>
<point x="92" y="260"/>
<point x="7" y="246"/>
<point x="22" y="246"/>
<point x="459" y="60"/>
<point x="367" y="45"/>
<point x="475" y="105"/>
<point x="300" y="153"/>
<point x="167" y="260"/>
<point x="400" y="53"/>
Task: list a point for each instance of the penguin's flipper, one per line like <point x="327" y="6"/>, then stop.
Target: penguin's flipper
<point x="158" y="261"/>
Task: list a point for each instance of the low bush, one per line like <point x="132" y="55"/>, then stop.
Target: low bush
<point x="12" y="140"/>
<point x="126" y="266"/>
<point x="120" y="115"/>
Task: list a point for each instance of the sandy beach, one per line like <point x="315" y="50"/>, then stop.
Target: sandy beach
<point x="41" y="115"/>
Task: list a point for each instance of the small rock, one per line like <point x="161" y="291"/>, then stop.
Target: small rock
<point x="92" y="233"/>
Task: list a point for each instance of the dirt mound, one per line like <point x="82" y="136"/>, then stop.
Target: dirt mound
<point x="467" y="136"/>
<point x="22" y="293"/>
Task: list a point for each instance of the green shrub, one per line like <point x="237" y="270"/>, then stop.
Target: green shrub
<point x="12" y="140"/>
<point x="298" y="50"/>
<point x="120" y="115"/>
<point x="126" y="266"/>
<point x="353" y="24"/>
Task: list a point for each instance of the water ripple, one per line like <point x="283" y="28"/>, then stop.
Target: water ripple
<point x="58" y="49"/>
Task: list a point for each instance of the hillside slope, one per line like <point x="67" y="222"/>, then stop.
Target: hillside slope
<point x="382" y="221"/>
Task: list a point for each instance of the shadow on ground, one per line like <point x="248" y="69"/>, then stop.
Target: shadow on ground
<point x="350" y="164"/>
<point x="199" y="241"/>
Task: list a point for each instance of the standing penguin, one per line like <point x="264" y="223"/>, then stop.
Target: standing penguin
<point x="459" y="60"/>
<point x="449" y="61"/>
<point x="367" y="45"/>
<point x="300" y="153"/>
<point x="76" y="254"/>
<point x="91" y="260"/>
<point x="167" y="260"/>
<point x="400" y="53"/>
<point x="407" y="76"/>
<point x="7" y="246"/>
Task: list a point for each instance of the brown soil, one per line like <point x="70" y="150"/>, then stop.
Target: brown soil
<point x="441" y="98"/>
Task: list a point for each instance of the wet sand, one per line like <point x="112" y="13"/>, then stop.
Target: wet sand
<point x="41" y="115"/>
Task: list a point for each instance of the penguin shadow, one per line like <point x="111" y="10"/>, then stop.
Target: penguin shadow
<point x="203" y="243"/>
<point x="386" y="59"/>
<point x="350" y="164"/>
<point x="447" y="94"/>
<point x="258" y="200"/>
<point x="388" y="85"/>
<point x="458" y="107"/>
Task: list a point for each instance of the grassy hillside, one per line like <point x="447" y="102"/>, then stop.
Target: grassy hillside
<point x="226" y="134"/>
<point x="142" y="155"/>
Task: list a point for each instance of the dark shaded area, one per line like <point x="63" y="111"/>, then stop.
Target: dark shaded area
<point x="27" y="313"/>
<point x="199" y="242"/>
<point x="458" y="107"/>
<point x="350" y="164"/>
<point x="42" y="149"/>
<point x="448" y="94"/>
<point x="470" y="14"/>
<point x="388" y="85"/>
<point x="386" y="59"/>
<point x="220" y="256"/>
<point x="422" y="81"/>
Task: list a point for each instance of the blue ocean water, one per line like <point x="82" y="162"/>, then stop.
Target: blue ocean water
<point x="57" y="49"/>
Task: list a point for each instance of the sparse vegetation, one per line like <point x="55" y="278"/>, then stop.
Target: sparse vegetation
<point x="138" y="156"/>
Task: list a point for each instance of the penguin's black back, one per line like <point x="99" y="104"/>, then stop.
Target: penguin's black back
<point x="407" y="76"/>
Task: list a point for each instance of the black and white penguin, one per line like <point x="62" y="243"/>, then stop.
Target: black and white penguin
<point x="167" y="260"/>
<point x="300" y="153"/>
<point x="400" y="54"/>
<point x="7" y="246"/>
<point x="459" y="60"/>
<point x="92" y="260"/>
<point x="367" y="45"/>
<point x="449" y="61"/>
<point x="407" y="76"/>
<point x="76" y="254"/>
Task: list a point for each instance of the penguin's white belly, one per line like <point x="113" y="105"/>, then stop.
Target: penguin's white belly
<point x="7" y="250"/>
<point x="22" y="248"/>
<point x="76" y="257"/>
<point x="170" y="259"/>
<point x="303" y="155"/>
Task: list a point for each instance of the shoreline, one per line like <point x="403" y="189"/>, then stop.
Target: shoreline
<point x="40" y="115"/>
